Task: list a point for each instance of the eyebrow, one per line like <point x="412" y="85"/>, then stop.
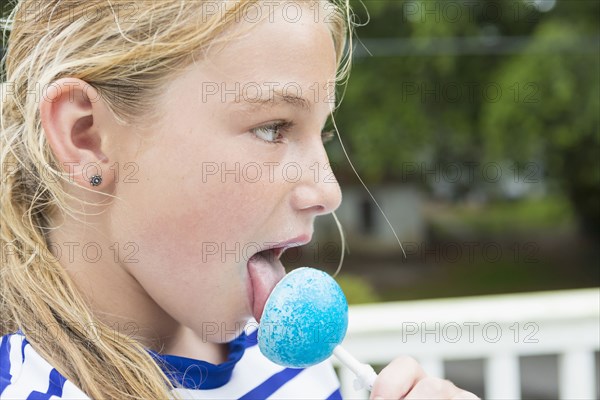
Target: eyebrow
<point x="276" y="97"/>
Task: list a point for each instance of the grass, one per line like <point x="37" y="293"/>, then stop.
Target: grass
<point x="505" y="217"/>
<point x="550" y="254"/>
<point x="484" y="278"/>
<point x="540" y="245"/>
<point x="357" y="289"/>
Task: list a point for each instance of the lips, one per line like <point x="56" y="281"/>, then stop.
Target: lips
<point x="265" y="271"/>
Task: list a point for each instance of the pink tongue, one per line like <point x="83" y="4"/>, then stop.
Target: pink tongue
<point x="264" y="275"/>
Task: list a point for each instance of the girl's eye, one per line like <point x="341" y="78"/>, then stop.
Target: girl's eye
<point x="273" y="133"/>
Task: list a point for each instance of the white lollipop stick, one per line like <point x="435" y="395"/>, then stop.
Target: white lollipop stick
<point x="365" y="374"/>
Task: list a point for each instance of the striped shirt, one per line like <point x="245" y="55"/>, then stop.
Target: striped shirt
<point x="247" y="374"/>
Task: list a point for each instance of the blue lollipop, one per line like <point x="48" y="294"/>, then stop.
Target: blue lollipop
<point x="304" y="320"/>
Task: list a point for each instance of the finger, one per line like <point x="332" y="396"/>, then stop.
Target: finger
<point x="436" y="388"/>
<point x="432" y="389"/>
<point x="397" y="379"/>
<point x="464" y="395"/>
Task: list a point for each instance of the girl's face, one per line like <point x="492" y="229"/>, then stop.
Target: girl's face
<point x="236" y="166"/>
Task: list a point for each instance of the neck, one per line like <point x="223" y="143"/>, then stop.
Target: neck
<point x="188" y="344"/>
<point x="118" y="300"/>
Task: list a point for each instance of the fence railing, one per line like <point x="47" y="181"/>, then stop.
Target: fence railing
<point x="498" y="329"/>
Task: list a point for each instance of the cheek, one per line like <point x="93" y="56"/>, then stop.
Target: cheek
<point x="176" y="213"/>
<point x="181" y="225"/>
<point x="179" y="197"/>
<point x="176" y="235"/>
<point x="177" y="217"/>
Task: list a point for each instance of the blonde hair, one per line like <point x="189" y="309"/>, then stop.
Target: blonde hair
<point x="128" y="50"/>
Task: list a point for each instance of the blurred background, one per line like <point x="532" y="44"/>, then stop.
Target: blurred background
<point x="475" y="126"/>
<point x="472" y="123"/>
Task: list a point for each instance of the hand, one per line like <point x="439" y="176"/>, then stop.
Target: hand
<point x="404" y="378"/>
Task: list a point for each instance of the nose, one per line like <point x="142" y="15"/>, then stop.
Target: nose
<point x="318" y="191"/>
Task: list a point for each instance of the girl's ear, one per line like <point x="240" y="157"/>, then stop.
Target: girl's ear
<point x="72" y="123"/>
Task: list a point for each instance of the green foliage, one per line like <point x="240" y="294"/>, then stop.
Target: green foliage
<point x="357" y="290"/>
<point x="528" y="85"/>
<point x="559" y="103"/>
<point x="506" y="218"/>
<point x="560" y="125"/>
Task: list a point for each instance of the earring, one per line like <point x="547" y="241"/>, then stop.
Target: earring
<point x="96" y="180"/>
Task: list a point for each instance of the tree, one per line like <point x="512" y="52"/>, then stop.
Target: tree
<point x="473" y="81"/>
<point x="562" y="124"/>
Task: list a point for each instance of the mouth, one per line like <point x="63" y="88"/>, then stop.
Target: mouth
<point x="265" y="271"/>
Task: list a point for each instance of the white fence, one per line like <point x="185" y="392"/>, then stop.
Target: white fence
<point x="497" y="328"/>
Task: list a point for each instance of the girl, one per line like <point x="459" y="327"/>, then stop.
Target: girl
<point x="157" y="159"/>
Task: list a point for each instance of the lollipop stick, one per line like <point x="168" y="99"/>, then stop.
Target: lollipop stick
<point x="365" y="374"/>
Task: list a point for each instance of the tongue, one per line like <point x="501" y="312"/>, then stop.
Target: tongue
<point x="264" y="273"/>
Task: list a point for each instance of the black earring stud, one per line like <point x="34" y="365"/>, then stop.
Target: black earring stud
<point x="96" y="180"/>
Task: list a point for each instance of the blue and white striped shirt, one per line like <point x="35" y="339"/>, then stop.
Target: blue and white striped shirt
<point x="247" y="374"/>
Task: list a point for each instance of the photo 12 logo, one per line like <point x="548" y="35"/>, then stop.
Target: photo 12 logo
<point x="253" y="172"/>
<point x="470" y="332"/>
<point x="292" y="11"/>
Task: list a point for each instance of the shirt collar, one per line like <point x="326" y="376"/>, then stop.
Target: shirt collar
<point x="190" y="373"/>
